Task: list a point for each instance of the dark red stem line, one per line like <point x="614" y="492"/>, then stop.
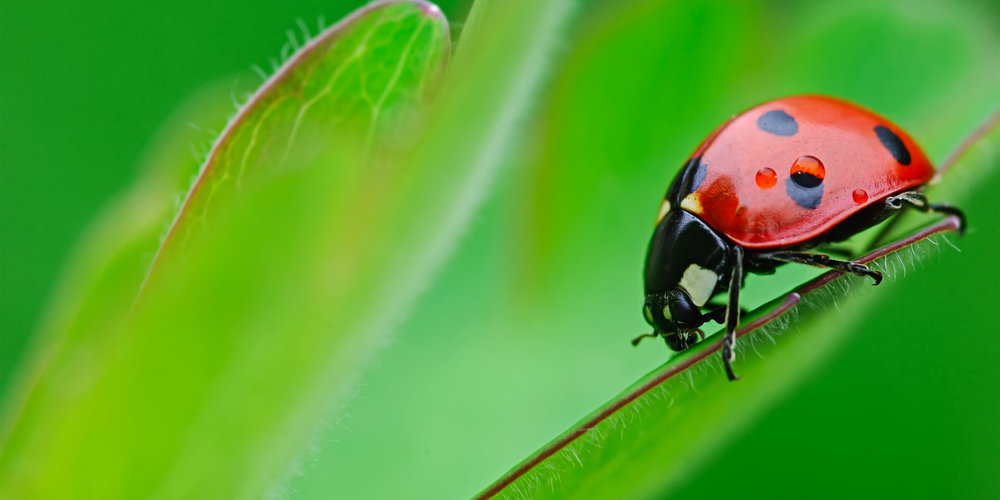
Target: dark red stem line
<point x="966" y="144"/>
<point x="791" y="300"/>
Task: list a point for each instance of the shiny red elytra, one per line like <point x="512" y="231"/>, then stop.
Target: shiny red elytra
<point x="760" y="191"/>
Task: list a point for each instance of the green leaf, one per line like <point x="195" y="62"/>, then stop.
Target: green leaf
<point x="143" y="398"/>
<point x="108" y="264"/>
<point x="344" y="86"/>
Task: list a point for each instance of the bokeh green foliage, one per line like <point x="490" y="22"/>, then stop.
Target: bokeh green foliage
<point x="641" y="85"/>
<point x="308" y="217"/>
<point x="527" y="327"/>
<point x="240" y="267"/>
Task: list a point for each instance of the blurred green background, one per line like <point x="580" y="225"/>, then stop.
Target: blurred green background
<point x="526" y="329"/>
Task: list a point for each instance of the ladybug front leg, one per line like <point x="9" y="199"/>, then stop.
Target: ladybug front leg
<point x="717" y="313"/>
<point x="733" y="313"/>
<point x="822" y="260"/>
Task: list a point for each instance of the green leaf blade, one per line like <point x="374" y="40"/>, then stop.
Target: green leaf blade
<point x="356" y="76"/>
<point x="145" y="402"/>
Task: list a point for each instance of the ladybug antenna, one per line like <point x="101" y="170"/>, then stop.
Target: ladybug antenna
<point x="638" y="339"/>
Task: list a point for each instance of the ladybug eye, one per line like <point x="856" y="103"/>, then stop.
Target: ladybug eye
<point x="682" y="310"/>
<point x="808" y="172"/>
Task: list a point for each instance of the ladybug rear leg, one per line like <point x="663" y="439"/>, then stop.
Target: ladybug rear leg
<point x="822" y="260"/>
<point x="919" y="201"/>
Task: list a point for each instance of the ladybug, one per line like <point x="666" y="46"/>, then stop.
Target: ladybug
<point x="762" y="190"/>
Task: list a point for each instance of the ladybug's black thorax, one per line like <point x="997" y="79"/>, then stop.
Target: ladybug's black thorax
<point x="682" y="240"/>
<point x="688" y="262"/>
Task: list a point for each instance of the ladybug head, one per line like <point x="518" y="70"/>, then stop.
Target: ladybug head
<point x="674" y="316"/>
<point x="688" y="262"/>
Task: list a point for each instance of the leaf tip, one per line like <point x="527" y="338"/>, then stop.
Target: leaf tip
<point x="431" y="10"/>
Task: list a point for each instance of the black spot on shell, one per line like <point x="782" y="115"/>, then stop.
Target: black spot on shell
<point x="894" y="144"/>
<point x="697" y="176"/>
<point x="806" y="179"/>
<point x="691" y="176"/>
<point x="805" y="197"/>
<point x="778" y="122"/>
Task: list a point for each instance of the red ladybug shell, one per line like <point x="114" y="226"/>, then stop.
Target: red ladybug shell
<point x="864" y="158"/>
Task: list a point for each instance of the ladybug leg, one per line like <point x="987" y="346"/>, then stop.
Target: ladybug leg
<point x="823" y="260"/>
<point x="944" y="208"/>
<point x="919" y="201"/>
<point x="841" y="250"/>
<point x="733" y="313"/>
<point x="718" y="313"/>
<point x="638" y="339"/>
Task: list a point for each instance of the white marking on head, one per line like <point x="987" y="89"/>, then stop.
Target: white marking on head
<point x="649" y="315"/>
<point x="699" y="283"/>
<point x="691" y="203"/>
<point x="666" y="312"/>
<point x="664" y="208"/>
